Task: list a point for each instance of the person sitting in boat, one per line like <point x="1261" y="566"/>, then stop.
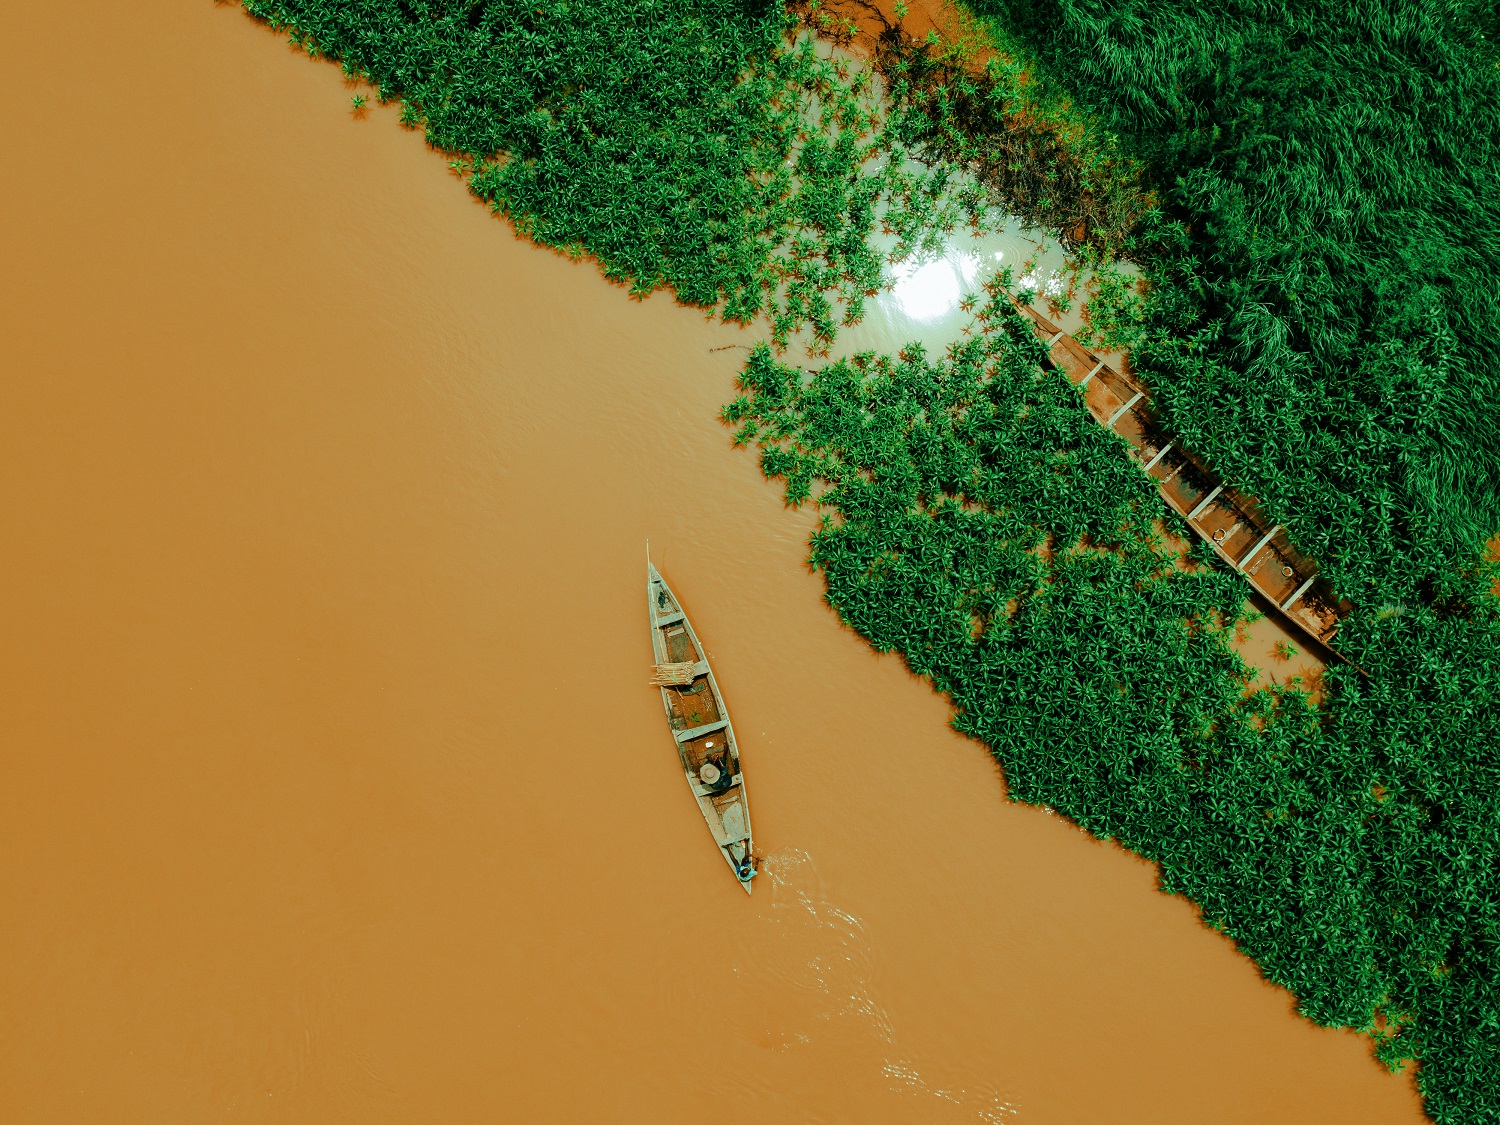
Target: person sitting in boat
<point x="744" y="862"/>
<point x="716" y="772"/>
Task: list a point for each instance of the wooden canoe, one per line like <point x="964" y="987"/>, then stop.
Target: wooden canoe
<point x="700" y="727"/>
<point x="1229" y="519"/>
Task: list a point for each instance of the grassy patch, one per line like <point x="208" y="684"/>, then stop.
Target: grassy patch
<point x="1323" y="261"/>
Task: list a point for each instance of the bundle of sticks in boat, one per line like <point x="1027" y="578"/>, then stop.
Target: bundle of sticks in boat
<point x="670" y="675"/>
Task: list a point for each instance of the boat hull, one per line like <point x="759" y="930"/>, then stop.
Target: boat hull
<point x="701" y="731"/>
<point x="1228" y="519"/>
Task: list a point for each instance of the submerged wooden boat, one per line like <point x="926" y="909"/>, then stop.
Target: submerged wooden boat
<point x="1229" y="519"/>
<point x="700" y="727"/>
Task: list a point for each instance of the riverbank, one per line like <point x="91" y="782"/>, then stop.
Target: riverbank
<point x="289" y="557"/>
<point x="1320" y="300"/>
<point x="1315" y="821"/>
<point x="310" y="465"/>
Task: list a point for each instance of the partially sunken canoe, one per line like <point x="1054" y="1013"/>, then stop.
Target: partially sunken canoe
<point x="700" y="727"/>
<point x="1229" y="519"/>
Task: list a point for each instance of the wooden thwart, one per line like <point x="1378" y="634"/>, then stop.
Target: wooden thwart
<point x="1255" y="550"/>
<point x="1205" y="502"/>
<point x="1120" y="413"/>
<point x="1302" y="589"/>
<point x="1160" y="453"/>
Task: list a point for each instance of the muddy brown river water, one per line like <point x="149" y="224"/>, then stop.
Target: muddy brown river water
<point x="332" y="789"/>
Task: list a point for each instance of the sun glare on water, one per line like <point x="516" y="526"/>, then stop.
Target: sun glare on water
<point x="929" y="291"/>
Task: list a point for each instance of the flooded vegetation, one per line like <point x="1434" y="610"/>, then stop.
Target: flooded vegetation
<point x="1321" y="322"/>
<point x="333" y="688"/>
<point x="695" y="147"/>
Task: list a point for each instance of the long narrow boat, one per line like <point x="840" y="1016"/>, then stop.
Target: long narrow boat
<point x="1229" y="519"/>
<point x="700" y="727"/>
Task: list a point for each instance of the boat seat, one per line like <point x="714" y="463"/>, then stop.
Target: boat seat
<point x="735" y="828"/>
<point x="701" y="790"/>
<point x="695" y="732"/>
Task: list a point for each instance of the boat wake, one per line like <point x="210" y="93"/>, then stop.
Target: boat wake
<point x="985" y="1100"/>
<point x="830" y="952"/>
<point x="824" y="950"/>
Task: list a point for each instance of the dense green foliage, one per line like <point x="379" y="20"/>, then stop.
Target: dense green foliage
<point x="986" y="527"/>
<point x="683" y="144"/>
<point x="1323" y="311"/>
<point x="1325" y="257"/>
<point x="1032" y="153"/>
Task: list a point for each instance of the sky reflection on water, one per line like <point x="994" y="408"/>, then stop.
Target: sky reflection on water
<point x="923" y="301"/>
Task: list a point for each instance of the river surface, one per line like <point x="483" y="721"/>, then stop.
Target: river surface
<point x="332" y="787"/>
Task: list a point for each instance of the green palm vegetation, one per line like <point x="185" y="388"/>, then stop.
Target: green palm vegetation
<point x="1320" y="325"/>
<point x="982" y="524"/>
<point x="1324" y="256"/>
<point x="687" y="145"/>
